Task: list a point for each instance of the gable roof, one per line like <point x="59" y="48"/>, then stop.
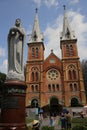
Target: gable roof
<point x="52" y="61"/>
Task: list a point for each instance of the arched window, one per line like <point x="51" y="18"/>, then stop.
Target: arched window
<point x="67" y="33"/>
<point x="75" y="86"/>
<point x="53" y="86"/>
<point x="71" y="50"/>
<point x="32" y="88"/>
<point x="57" y="87"/>
<point x="32" y="75"/>
<point x="36" y="76"/>
<point x="71" y="69"/>
<point x="36" y="88"/>
<point x="71" y="87"/>
<point x="36" y="52"/>
<point x="49" y="87"/>
<point x="74" y="74"/>
<point x="70" y="74"/>
<point x="35" y="36"/>
<point x="33" y="53"/>
<point x="67" y="50"/>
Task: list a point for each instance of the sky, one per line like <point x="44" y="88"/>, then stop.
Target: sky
<point x="50" y="13"/>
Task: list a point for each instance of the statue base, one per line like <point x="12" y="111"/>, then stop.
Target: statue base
<point x="13" y="110"/>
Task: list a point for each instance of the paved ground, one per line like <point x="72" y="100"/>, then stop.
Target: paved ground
<point x="46" y="122"/>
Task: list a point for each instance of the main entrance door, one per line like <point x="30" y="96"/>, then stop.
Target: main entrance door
<point x="55" y="107"/>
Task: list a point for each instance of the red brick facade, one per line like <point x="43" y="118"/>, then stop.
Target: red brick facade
<point x="54" y="81"/>
<point x="54" y="77"/>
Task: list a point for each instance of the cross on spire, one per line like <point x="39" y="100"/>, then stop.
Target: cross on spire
<point x="36" y="10"/>
<point x="64" y="7"/>
<point x="67" y="33"/>
<point x="36" y="35"/>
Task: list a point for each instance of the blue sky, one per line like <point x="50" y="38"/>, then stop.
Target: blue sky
<point x="50" y="14"/>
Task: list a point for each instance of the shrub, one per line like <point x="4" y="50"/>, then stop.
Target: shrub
<point x="47" y="128"/>
<point x="78" y="127"/>
<point x="85" y="128"/>
<point x="28" y="128"/>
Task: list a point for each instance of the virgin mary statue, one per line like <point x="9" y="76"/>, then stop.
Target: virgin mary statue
<point x="16" y="39"/>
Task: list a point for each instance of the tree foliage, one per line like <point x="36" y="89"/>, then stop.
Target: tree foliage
<point x="84" y="70"/>
<point x="2" y="80"/>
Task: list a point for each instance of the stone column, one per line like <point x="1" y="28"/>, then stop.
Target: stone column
<point x="13" y="106"/>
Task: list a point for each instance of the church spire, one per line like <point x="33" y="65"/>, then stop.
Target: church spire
<point x="36" y="35"/>
<point x="67" y="32"/>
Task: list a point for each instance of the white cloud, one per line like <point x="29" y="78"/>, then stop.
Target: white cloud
<point x="50" y="3"/>
<point x="38" y="2"/>
<point x="80" y="27"/>
<point x="77" y="24"/>
<point x="2" y="51"/>
<point x="3" y="67"/>
<point x="73" y="1"/>
<point x="3" y="63"/>
<point x="52" y="34"/>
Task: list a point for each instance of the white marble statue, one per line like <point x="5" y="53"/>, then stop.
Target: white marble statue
<point x="16" y="40"/>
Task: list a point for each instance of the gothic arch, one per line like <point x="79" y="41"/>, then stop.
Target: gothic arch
<point x="71" y="66"/>
<point x="74" y="102"/>
<point x="32" y="76"/>
<point x="36" y="52"/>
<point x="55" y="107"/>
<point x="34" y="103"/>
<point x="71" y="72"/>
<point x="54" y="101"/>
<point x="33" y="52"/>
<point x="34" y="68"/>
<point x="69" y="50"/>
<point x="53" y="67"/>
<point x="34" y="73"/>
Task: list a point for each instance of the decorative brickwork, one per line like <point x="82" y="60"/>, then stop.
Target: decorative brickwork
<point x="54" y="81"/>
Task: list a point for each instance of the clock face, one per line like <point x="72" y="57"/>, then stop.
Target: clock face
<point x="53" y="74"/>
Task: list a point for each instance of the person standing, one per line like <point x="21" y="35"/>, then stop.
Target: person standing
<point x="40" y="118"/>
<point x="69" y="120"/>
<point x="63" y="121"/>
<point x="51" y="121"/>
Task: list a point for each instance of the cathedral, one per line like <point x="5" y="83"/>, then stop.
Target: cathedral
<point x="53" y="81"/>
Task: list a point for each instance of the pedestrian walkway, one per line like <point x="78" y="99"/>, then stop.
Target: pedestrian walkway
<point x="46" y="122"/>
<point x="56" y="125"/>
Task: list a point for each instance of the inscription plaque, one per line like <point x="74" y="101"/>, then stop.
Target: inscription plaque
<point x="9" y="103"/>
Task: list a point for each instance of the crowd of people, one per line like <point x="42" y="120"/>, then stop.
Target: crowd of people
<point x="66" y="120"/>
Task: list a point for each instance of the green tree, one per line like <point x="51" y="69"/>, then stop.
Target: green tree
<point x="84" y="70"/>
<point x="2" y="79"/>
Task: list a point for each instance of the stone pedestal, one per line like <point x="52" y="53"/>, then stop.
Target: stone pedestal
<point x="13" y="106"/>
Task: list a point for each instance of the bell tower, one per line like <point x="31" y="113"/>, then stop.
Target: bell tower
<point x="72" y="71"/>
<point x="34" y="65"/>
